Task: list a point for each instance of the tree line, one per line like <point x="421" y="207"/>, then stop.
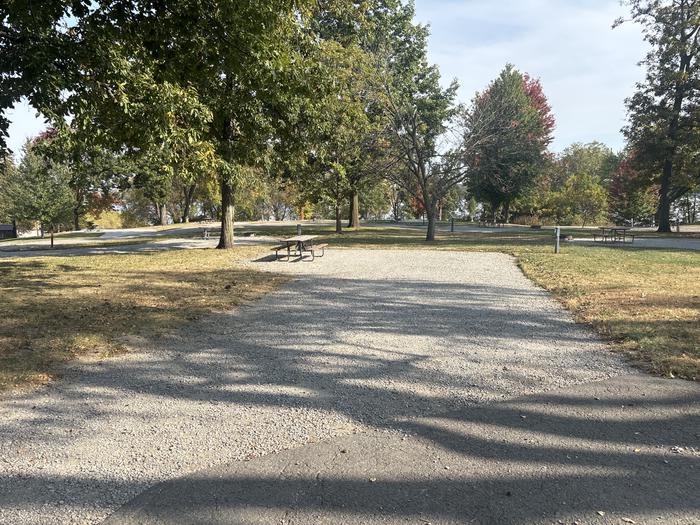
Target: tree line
<point x="189" y="109"/>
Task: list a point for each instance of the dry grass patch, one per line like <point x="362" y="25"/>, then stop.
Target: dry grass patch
<point x="58" y="308"/>
<point x="648" y="301"/>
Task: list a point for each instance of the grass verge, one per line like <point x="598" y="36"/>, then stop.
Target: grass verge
<point x="58" y="308"/>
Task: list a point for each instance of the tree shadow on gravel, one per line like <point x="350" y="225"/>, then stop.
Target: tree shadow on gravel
<point x="492" y="464"/>
<point x="420" y="359"/>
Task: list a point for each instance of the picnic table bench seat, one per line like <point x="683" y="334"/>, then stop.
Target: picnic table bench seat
<point x="613" y="235"/>
<point x="285" y="246"/>
<point x="314" y="249"/>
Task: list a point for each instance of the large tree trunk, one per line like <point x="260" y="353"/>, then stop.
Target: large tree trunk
<point x="226" y="238"/>
<point x="431" y="211"/>
<point x="354" y="221"/>
<point x="76" y="218"/>
<point x="664" y="209"/>
<point x="338" y="218"/>
<point x="663" y="212"/>
<point x="506" y="212"/>
<point x="432" y="224"/>
<point x="163" y="214"/>
<point x="227" y="209"/>
<point x="189" y="194"/>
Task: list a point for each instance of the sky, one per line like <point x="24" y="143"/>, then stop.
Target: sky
<point x="587" y="69"/>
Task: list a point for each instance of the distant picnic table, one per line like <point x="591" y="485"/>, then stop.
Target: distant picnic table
<point x="613" y="234"/>
<point x="300" y="244"/>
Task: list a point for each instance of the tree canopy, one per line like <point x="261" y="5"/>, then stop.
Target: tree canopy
<point x="663" y="126"/>
<point x="512" y="126"/>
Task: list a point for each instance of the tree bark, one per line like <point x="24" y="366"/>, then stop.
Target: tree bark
<point x="664" y="210"/>
<point x="354" y="221"/>
<point x="506" y="212"/>
<point x="432" y="224"/>
<point x="76" y="218"/>
<point x="338" y="218"/>
<point x="163" y="214"/>
<point x="52" y="236"/>
<point x="227" y="209"/>
<point x="189" y="193"/>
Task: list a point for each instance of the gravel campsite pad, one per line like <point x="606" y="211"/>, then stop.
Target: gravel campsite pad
<point x="359" y="340"/>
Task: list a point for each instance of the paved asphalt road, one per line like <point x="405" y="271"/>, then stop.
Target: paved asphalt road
<point x="620" y="451"/>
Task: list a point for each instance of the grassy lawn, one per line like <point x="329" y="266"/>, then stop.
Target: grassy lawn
<point x="59" y="308"/>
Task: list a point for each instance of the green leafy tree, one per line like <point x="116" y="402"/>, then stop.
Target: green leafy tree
<point x="8" y="173"/>
<point x="583" y="199"/>
<point x="594" y="158"/>
<point x="243" y="72"/>
<point x="377" y="199"/>
<point x="663" y="126"/>
<point x="631" y="198"/>
<point x="514" y="124"/>
<point x="337" y="124"/>
<point x="425" y="164"/>
<point x="39" y="191"/>
<point x="363" y="32"/>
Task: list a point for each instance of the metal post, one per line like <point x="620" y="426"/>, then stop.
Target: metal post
<point x="298" y="229"/>
<point x="557" y="234"/>
<point x="452" y="225"/>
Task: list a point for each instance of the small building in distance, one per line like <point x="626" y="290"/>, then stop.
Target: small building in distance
<point x="8" y="231"/>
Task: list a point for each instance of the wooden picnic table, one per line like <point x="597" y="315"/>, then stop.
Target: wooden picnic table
<point x="300" y="243"/>
<point x="614" y="234"/>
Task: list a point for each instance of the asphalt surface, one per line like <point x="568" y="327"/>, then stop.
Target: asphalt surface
<point x="625" y="450"/>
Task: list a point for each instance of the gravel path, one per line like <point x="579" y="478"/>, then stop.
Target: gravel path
<point x="360" y="340"/>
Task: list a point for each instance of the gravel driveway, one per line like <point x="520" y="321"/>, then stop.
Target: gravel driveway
<point x="360" y="340"/>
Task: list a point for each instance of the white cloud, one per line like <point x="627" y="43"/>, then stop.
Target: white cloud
<point x="586" y="68"/>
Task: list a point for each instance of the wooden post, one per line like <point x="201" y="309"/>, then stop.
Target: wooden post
<point x="298" y="229"/>
<point x="557" y="234"/>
